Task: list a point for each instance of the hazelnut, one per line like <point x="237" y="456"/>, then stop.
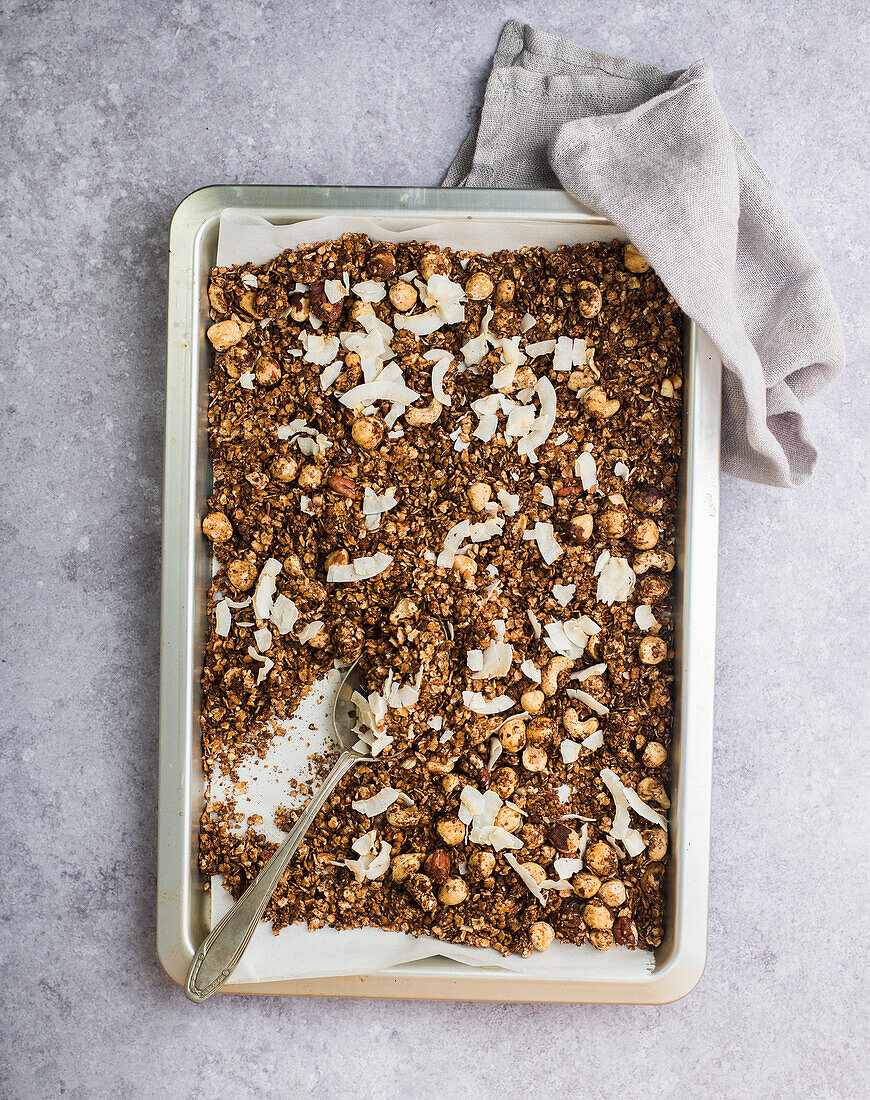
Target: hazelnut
<point x="217" y="299"/>
<point x="367" y="432"/>
<point x="613" y="524"/>
<point x="437" y="866"/>
<point x="479" y="286"/>
<point x="352" y="361"/>
<point x="612" y="893"/>
<point x="310" y="477"/>
<point x="534" y="759"/>
<point x="451" y="830"/>
<point x="633" y="260"/>
<point x="224" y="334"/>
<point x="450" y="783"/>
<point x="625" y="931"/>
<point x="585" y="885"/>
<point x="504" y="292"/>
<point x="405" y="865"/>
<point x="533" y="834"/>
<point x="563" y="838"/>
<point x="667" y="389"/>
<point x="283" y="469"/>
<point x="540" y="731"/>
<point x="652" y="650"/>
<point x="337" y="557"/>
<point x="513" y="735"/>
<point x="651" y="789"/>
<point x="601" y="940"/>
<point x="656" y="843"/>
<point x="597" y="403"/>
<point x="588" y="299"/>
<point x="651" y="879"/>
<point x="420" y="889"/>
<point x="236" y="360"/>
<point x="300" y="308"/>
<point x="382" y="264"/>
<point x="403" y="295"/>
<point x="653" y="588"/>
<point x="479" y="494"/>
<point x="481" y="864"/>
<point x="532" y="701"/>
<point x="654" y="755"/>
<point x="216" y="527"/>
<point x="647" y="498"/>
<point x="645" y="534"/>
<point x="601" y="859"/>
<point x="596" y="915"/>
<point x="361" y="309"/>
<point x="508" y="818"/>
<point x="580" y="527"/>
<point x="504" y="782"/>
<point x="241" y="574"/>
<point x="541" y="935"/>
<point x="433" y="263"/>
<point x="267" y="371"/>
<point x="536" y="871"/>
<point x="453" y="892"/>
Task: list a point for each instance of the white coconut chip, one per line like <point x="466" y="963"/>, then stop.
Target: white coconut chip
<point x="520" y="421"/>
<point x="496" y="748"/>
<point x="643" y="616"/>
<point x="246" y="380"/>
<point x="565" y="867"/>
<point x="305" y="506"/>
<point x="480" y="705"/>
<point x="334" y="290"/>
<point x="542" y="533"/>
<point x="441" y="361"/>
<point x="264" y="591"/>
<point x="585" y="698"/>
<point x="284" y="614"/>
<point x="268" y="664"/>
<point x="388" y="386"/>
<point x="563" y="793"/>
<point x="570" y="751"/>
<point x="593" y="741"/>
<point x="527" y="322"/>
<point x="250" y="280"/>
<point x="310" y="631"/>
<point x="374" y="504"/>
<point x="263" y="639"/>
<point x="510" y="502"/>
<point x="360" y="569"/>
<point x="547" y="497"/>
<point x="329" y="374"/>
<point x="421" y="324"/>
<point x="616" y="579"/>
<point x="369" y="290"/>
<point x="533" y="887"/>
<point x="542" y="347"/>
<point x="563" y="594"/>
<point x="584" y="674"/>
<point x="531" y="670"/>
<point x="319" y="350"/>
<point x="586" y="470"/>
<point x="238" y="603"/>
<point x="381" y="802"/>
<point x="621" y="470"/>
<point x="223" y="619"/>
<point x="535" y="621"/>
<point x="491" y="663"/>
<point x="544" y="422"/>
<point x="563" y="356"/>
<point x="369" y="866"/>
<point x="621" y="828"/>
<point x="452" y="541"/>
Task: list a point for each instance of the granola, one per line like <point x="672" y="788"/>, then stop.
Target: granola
<point x="462" y="469"/>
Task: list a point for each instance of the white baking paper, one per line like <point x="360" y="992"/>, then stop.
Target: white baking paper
<point x="296" y="952"/>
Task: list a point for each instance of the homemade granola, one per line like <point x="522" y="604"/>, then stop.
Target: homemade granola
<point x="462" y="468"/>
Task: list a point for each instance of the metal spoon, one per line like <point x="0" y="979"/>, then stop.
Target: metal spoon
<point x="222" y="949"/>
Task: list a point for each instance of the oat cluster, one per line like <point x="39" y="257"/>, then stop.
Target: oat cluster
<point x="462" y="469"/>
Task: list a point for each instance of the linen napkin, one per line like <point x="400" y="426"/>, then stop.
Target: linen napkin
<point x="655" y="153"/>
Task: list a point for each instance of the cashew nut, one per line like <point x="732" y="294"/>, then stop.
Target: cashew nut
<point x="421" y="418"/>
<point x="571" y="722"/>
<point x="597" y="402"/>
<point x="653" y="559"/>
<point x="552" y="670"/>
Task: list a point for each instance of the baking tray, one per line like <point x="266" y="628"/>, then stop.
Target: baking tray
<point x="182" y="910"/>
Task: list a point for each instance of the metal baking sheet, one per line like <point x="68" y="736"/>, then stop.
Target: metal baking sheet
<point x="182" y="904"/>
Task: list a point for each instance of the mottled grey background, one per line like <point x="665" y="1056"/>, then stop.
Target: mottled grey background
<point x="111" y="113"/>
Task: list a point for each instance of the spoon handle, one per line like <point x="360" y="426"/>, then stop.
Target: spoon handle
<point x="220" y="953"/>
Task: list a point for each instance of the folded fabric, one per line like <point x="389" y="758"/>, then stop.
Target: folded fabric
<point x="655" y="153"/>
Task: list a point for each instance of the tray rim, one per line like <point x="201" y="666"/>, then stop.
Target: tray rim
<point x="437" y="977"/>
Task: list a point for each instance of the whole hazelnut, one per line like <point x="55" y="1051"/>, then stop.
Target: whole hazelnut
<point x="580" y="527"/>
<point x="224" y="334"/>
<point x="633" y="260"/>
<point x="241" y="574"/>
<point x="513" y="735"/>
<point x="613" y="524"/>
<point x="479" y="286"/>
<point x="563" y="838"/>
<point x="585" y="885"/>
<point x="310" y="477"/>
<point x="601" y="859"/>
<point x="654" y="755"/>
<point x="601" y="940"/>
<point x="652" y="650"/>
<point x="479" y="494"/>
<point x="217" y="528"/>
<point x="647" y="498"/>
<point x="535" y="871"/>
<point x="534" y="759"/>
<point x="382" y="264"/>
<point x="612" y="893"/>
<point x="533" y="834"/>
<point x="504" y="782"/>
<point x="645" y="534"/>
<point x="532" y="701"/>
<point x="267" y="371"/>
<point x="625" y="931"/>
<point x="367" y="432"/>
<point x="481" y="864"/>
<point x="300" y="308"/>
<point x="540" y="731"/>
<point x="453" y="892"/>
<point x="508" y="819"/>
<point x="403" y="296"/>
<point x="651" y="789"/>
<point x="283" y="469"/>
<point x="504" y="292"/>
<point x="433" y="263"/>
<point x="656" y="843"/>
<point x="596" y="915"/>
<point x="451" y="830"/>
<point x="588" y="299"/>
<point x="541" y="934"/>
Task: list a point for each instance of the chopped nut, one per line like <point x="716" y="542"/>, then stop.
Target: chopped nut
<point x="633" y="260"/>
<point x="625" y="932"/>
<point x="651" y="789"/>
<point x="422" y="418"/>
<point x="588" y="299"/>
<point x="217" y="528"/>
<point x="420" y="889"/>
<point x="580" y="527"/>
<point x="479" y="494"/>
<point x="405" y="865"/>
<point x="541" y="935"/>
<point x="597" y="403"/>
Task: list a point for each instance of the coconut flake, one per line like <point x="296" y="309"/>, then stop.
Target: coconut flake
<point x="547" y="496"/>
<point x="480" y="705"/>
<point x="334" y="289"/>
<point x="421" y="324"/>
<point x="284" y="614"/>
<point x="374" y="504"/>
<point x="380" y="802"/>
<point x="527" y="322"/>
<point x="621" y="470"/>
<point x="533" y="619"/>
<point x="531" y="670"/>
<point x="223" y="619"/>
<point x="542" y="347"/>
<point x="542" y="533"/>
<point x="388" y="386"/>
<point x="510" y="502"/>
<point x="441" y="365"/>
<point x="369" y="290"/>
<point x="250" y="280"/>
<point x="623" y="797"/>
<point x="370" y="866"/>
<point x="643" y="616"/>
<point x="569" y="638"/>
<point x="593" y="741"/>
<point x="329" y="374"/>
<point x="268" y="664"/>
<point x="246" y="380"/>
<point x="584" y="674"/>
<point x="570" y="751"/>
<point x="616" y="579"/>
<point x="493" y="662"/>
<point x="566" y="867"/>
<point x="360" y="569"/>
<point x="563" y="357"/>
<point x="563" y="594"/>
<point x="586" y="470"/>
<point x="496" y="748"/>
<point x="310" y="631"/>
<point x="533" y="887"/>
<point x="543" y="423"/>
<point x="563" y="793"/>
<point x="588" y="700"/>
<point x="265" y="589"/>
<point x="263" y="639"/>
<point x="319" y="350"/>
<point x="452" y="541"/>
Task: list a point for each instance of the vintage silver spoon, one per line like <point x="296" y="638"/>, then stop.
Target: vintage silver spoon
<point x="222" y="949"/>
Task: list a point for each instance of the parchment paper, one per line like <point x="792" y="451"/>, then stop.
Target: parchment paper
<point x="296" y="952"/>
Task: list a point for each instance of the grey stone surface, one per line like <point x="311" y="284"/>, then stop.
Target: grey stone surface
<point x="111" y="113"/>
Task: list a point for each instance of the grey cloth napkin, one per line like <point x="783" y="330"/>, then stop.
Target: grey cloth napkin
<point x="655" y="153"/>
